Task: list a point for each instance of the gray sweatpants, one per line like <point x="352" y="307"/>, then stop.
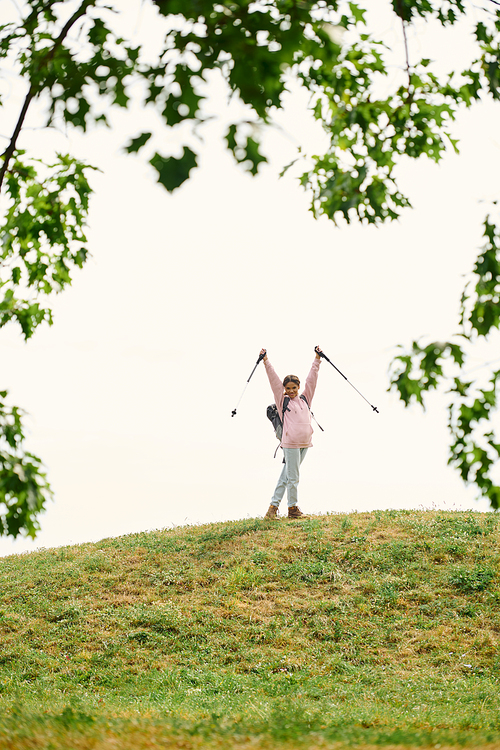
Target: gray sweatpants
<point x="289" y="478"/>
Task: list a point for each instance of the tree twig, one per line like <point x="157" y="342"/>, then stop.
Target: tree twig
<point x="407" y="55"/>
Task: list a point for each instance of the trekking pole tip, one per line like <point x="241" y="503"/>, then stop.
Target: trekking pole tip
<point x="375" y="409"/>
<point x="233" y="413"/>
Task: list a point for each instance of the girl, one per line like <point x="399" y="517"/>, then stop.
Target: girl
<point x="297" y="431"/>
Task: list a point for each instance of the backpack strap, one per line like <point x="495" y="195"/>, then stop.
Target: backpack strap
<point x="312" y="415"/>
<point x="286" y="401"/>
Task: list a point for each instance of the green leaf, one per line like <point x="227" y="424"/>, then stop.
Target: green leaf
<point x="357" y="12"/>
<point x="253" y="155"/>
<point x="137" y="143"/>
<point x="172" y="172"/>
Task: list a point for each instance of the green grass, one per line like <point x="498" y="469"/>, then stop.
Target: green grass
<point x="363" y="630"/>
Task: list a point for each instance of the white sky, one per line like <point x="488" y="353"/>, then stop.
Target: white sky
<point x="130" y="392"/>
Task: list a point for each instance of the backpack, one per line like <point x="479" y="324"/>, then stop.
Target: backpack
<point x="274" y="416"/>
<point x="277" y="421"/>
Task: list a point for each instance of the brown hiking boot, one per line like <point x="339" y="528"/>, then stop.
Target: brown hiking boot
<point x="295" y="512"/>
<point x="272" y="513"/>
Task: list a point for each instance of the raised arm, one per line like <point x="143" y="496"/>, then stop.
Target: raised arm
<point x="312" y="378"/>
<point x="275" y="382"/>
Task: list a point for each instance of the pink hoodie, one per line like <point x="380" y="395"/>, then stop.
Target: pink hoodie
<point x="297" y="430"/>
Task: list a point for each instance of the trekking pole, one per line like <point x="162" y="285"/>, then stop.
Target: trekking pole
<point x="261" y="357"/>
<point x="321" y="354"/>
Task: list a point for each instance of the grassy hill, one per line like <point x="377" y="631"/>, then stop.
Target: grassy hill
<point x="373" y="629"/>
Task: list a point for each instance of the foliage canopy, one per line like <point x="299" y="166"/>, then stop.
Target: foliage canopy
<point x="75" y="67"/>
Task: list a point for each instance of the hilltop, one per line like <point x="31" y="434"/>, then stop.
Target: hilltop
<point x="372" y="629"/>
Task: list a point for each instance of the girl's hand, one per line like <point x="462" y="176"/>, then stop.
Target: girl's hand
<point x="263" y="354"/>
<point x="318" y="351"/>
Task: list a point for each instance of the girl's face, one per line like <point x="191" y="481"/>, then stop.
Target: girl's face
<point x="291" y="389"/>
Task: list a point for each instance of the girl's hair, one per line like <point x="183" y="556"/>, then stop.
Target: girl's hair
<point x="291" y="379"/>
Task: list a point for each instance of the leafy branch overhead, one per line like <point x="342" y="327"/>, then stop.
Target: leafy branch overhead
<point x="70" y="55"/>
<point x="474" y="445"/>
<point x="24" y="489"/>
<point x="42" y="243"/>
<point x="43" y="237"/>
<point x="76" y="67"/>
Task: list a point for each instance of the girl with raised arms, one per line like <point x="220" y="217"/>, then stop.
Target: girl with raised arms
<point x="297" y="431"/>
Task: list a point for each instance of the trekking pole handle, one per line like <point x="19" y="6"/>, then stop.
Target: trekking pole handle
<point x="322" y="354"/>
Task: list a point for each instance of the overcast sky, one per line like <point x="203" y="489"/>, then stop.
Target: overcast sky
<point x="130" y="392"/>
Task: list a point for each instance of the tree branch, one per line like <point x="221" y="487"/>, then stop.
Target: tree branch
<point x="407" y="55"/>
<point x="9" y="151"/>
<point x="34" y="90"/>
